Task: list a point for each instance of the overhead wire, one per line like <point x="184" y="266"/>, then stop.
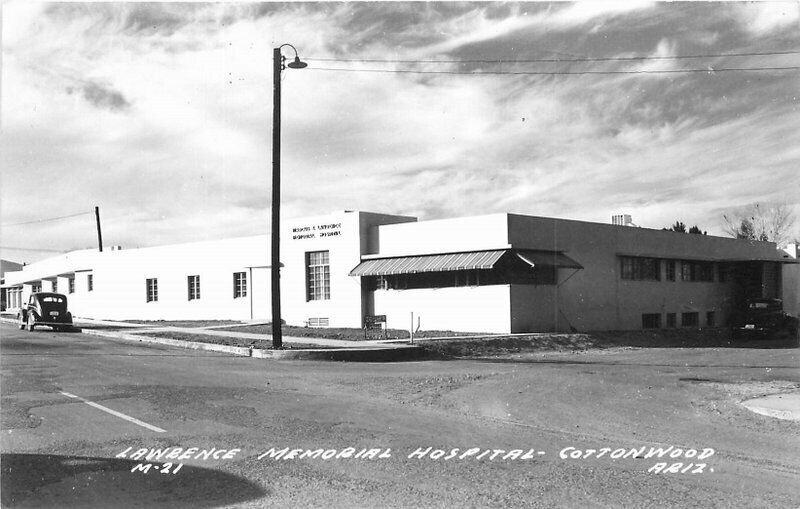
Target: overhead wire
<point x="47" y="219"/>
<point x="553" y="60"/>
<point x="709" y="70"/>
<point x="9" y="248"/>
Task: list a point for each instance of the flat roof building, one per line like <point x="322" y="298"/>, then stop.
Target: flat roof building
<point x="496" y="273"/>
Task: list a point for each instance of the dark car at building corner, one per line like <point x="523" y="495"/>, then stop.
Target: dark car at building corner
<point x="766" y="319"/>
<point x="45" y="308"/>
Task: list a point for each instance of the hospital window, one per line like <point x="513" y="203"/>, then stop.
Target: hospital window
<point x="194" y="287"/>
<point x="36" y="287"/>
<point x="71" y="285"/>
<point x="239" y="284"/>
<point x="318" y="275"/>
<point x="152" y="290"/>
<point x="697" y="271"/>
<point x="690" y="319"/>
<point x="651" y="321"/>
<point x="89" y="282"/>
<point x="55" y="286"/>
<point x="722" y="273"/>
<point x="640" y="269"/>
<point x="670" y="270"/>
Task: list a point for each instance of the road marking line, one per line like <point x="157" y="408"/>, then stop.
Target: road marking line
<point x="115" y="413"/>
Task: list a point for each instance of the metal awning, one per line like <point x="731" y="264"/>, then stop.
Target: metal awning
<point x="460" y="261"/>
<point x="547" y="259"/>
<point x="428" y="263"/>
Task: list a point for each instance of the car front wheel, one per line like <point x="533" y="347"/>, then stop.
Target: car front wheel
<point x="31" y="322"/>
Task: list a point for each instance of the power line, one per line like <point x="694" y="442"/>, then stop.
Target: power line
<point x="48" y="219"/>
<point x="554" y="60"/>
<point x="9" y="248"/>
<point x="551" y="73"/>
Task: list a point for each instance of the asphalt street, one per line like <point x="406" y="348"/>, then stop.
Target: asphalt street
<point x="613" y="428"/>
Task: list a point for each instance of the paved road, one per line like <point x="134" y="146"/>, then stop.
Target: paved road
<point x="76" y="409"/>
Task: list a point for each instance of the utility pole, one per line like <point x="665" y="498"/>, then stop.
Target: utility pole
<point x="99" y="233"/>
<point x="277" y="65"/>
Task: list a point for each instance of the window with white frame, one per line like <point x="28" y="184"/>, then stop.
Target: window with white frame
<point x="194" y="287"/>
<point x="318" y="275"/>
<point x="152" y="290"/>
<point x="239" y="284"/>
<point x="71" y="285"/>
<point x="89" y="282"/>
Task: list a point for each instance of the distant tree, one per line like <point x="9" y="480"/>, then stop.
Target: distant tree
<point x="680" y="227"/>
<point x="771" y="223"/>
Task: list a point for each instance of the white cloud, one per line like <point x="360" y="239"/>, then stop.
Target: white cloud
<point x="761" y="18"/>
<point x="579" y="13"/>
<point x="18" y="17"/>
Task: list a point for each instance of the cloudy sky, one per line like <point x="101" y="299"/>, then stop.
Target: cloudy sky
<point x="161" y="114"/>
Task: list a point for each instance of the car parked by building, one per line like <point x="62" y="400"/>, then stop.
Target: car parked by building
<point x="43" y="308"/>
<point x="765" y="318"/>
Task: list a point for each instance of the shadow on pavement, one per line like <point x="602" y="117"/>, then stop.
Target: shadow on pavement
<point x="46" y="480"/>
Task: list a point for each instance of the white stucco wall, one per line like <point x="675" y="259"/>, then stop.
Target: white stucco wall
<point x="466" y="309"/>
<point x="444" y="236"/>
<point x="120" y="280"/>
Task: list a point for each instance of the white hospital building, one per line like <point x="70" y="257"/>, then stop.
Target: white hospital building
<point x="496" y="273"/>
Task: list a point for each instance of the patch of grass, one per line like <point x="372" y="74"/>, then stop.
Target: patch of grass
<point x="662" y="338"/>
<point x="183" y="323"/>
<point x="507" y="345"/>
<point x="344" y="333"/>
<point x="259" y="344"/>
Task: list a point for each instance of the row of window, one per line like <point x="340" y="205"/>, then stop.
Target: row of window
<point x="37" y="287"/>
<point x="318" y="281"/>
<point x="688" y="319"/>
<point x="649" y="269"/>
<point x="193" y="287"/>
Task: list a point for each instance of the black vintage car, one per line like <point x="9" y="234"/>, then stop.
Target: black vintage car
<point x="765" y="318"/>
<point x="45" y="309"/>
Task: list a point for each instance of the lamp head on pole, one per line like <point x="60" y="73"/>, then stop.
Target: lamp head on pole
<point x="294" y="64"/>
<point x="297" y="63"/>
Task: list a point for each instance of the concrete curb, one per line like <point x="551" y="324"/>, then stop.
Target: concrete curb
<point x="381" y="354"/>
<point x="189" y="345"/>
<point x="403" y="353"/>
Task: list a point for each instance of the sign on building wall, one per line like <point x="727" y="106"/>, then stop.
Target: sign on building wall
<point x="317" y="231"/>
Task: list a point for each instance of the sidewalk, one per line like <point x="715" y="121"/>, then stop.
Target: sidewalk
<point x="329" y="349"/>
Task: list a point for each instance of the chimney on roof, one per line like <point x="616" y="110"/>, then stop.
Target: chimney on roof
<point x="622" y="220"/>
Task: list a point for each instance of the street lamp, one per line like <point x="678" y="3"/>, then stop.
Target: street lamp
<point x="277" y="66"/>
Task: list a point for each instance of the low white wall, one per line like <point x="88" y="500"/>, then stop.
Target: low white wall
<point x="462" y="309"/>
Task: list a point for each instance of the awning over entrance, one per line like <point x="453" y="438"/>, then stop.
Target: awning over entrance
<point x="428" y="263"/>
<point x="547" y="259"/>
<point x="459" y="261"/>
